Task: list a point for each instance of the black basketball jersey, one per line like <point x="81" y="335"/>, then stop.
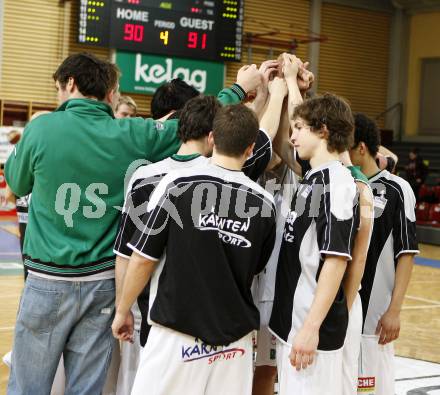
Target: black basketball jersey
<point x="323" y="220"/>
<point x="142" y="184"/>
<point x="394" y="234"/>
<point x="213" y="230"/>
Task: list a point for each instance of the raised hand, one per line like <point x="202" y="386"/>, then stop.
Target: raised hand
<point x="291" y="66"/>
<point x="278" y="86"/>
<point x="267" y="69"/>
<point x="305" y="77"/>
<point x="249" y="78"/>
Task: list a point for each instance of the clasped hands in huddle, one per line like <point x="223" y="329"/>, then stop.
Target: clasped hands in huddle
<point x="272" y="75"/>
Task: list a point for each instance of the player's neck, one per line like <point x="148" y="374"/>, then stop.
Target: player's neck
<point x="369" y="167"/>
<point x="322" y="156"/>
<point x="192" y="147"/>
<point x="227" y="162"/>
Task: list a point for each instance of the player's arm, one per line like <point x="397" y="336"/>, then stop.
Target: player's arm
<point x="306" y="340"/>
<point x="257" y="163"/>
<point x="388" y="328"/>
<point x="387" y="153"/>
<point x="248" y="79"/>
<point x="290" y="70"/>
<point x="255" y="166"/>
<point x="355" y="269"/>
<point x="282" y="145"/>
<point x="19" y="168"/>
<point x="9" y="195"/>
<point x="136" y="278"/>
<point x="131" y="220"/>
<point x="271" y="117"/>
<point x="405" y="247"/>
<point x="121" y="266"/>
<point x="148" y="245"/>
<point x="267" y="68"/>
<point x="336" y="226"/>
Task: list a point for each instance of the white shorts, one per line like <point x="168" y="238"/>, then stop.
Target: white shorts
<point x="123" y="367"/>
<point x="266" y="342"/>
<point x="175" y="364"/>
<point x="323" y="377"/>
<point x="376" y="367"/>
<point x="130" y="355"/>
<point x="352" y="348"/>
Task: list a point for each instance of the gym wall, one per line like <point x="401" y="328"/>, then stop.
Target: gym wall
<point x="423" y="43"/>
<point x="353" y="62"/>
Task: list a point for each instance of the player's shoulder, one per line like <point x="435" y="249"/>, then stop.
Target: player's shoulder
<point x="208" y="173"/>
<point x="398" y="181"/>
<point x="179" y="176"/>
<point x="337" y="172"/>
<point x="342" y="188"/>
<point x="144" y="124"/>
<point x="150" y="173"/>
<point x="258" y="189"/>
<point x="336" y="178"/>
<point x="152" y="169"/>
<point x="263" y="137"/>
<point x="43" y="125"/>
<point x="397" y="185"/>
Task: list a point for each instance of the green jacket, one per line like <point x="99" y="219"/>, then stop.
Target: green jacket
<point x="74" y="161"/>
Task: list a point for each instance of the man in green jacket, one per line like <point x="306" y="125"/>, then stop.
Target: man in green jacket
<point x="74" y="161"/>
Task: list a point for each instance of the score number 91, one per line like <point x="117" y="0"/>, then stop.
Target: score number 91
<point x="133" y="32"/>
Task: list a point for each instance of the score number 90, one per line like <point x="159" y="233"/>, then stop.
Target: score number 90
<point x="133" y="32"/>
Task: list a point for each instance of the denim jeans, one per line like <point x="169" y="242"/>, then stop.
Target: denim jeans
<point x="62" y="317"/>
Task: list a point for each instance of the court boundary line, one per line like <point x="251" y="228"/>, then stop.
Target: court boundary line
<point x="418" y="378"/>
<point x="411" y="297"/>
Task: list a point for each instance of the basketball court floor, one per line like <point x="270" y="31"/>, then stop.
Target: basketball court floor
<point x="418" y="349"/>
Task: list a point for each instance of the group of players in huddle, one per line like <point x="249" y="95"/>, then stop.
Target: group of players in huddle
<point x="270" y="215"/>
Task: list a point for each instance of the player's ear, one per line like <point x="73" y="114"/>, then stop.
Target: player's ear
<point x="249" y="151"/>
<point x="70" y="85"/>
<point x="209" y="143"/>
<point x="211" y="138"/>
<point x="323" y="132"/>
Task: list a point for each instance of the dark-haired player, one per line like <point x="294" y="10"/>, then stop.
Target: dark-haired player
<point x="171" y="97"/>
<point x="212" y="229"/>
<point x="310" y="314"/>
<point x="389" y="262"/>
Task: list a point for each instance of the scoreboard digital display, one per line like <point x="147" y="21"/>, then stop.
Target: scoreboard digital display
<point x="203" y="29"/>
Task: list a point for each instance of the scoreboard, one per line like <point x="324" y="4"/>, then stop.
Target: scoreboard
<point x="204" y="29"/>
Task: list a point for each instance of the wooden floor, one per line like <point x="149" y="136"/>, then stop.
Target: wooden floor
<point x="420" y="316"/>
<point x="10" y="287"/>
